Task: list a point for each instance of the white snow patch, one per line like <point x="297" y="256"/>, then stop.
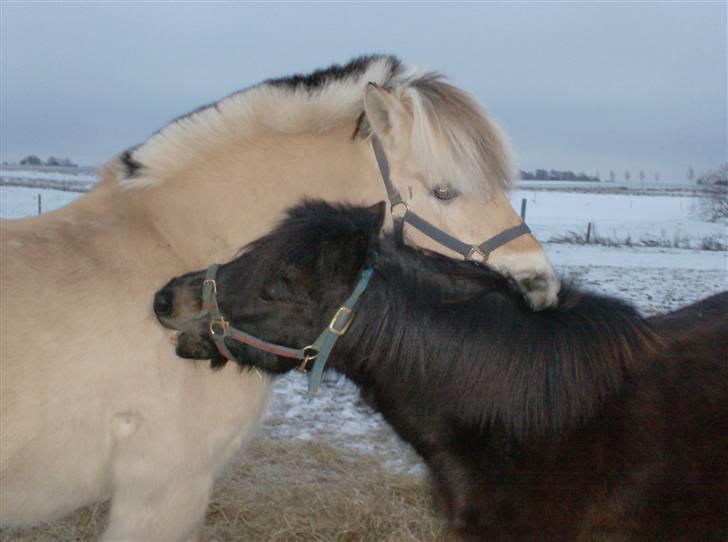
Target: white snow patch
<point x="66" y="175"/>
<point x="19" y="202"/>
<point x="637" y="218"/>
<point x="643" y="257"/>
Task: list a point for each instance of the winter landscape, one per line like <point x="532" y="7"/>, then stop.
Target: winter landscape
<point x="647" y="246"/>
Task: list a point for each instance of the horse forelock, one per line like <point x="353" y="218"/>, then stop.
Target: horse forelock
<point x="454" y="140"/>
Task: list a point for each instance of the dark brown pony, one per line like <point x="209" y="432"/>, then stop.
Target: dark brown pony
<point x="581" y="422"/>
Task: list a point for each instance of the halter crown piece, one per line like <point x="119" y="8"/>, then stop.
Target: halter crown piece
<point x="402" y="214"/>
<point x="318" y="351"/>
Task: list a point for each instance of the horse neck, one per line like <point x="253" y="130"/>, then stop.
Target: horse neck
<point x="489" y="355"/>
<point x="387" y="316"/>
<point x="228" y="199"/>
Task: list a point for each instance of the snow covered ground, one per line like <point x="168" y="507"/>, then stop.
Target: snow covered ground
<point x="654" y="279"/>
<point x="50" y="173"/>
<point x="638" y="219"/>
<point x="19" y="202"/>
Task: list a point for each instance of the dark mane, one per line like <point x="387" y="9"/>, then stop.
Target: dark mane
<point x="465" y="337"/>
<point x="336" y="72"/>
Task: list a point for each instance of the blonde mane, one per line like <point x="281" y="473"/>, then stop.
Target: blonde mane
<point x="453" y="139"/>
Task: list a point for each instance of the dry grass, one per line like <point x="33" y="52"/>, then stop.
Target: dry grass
<point x="293" y="491"/>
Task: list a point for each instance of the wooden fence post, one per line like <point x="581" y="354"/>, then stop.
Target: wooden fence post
<point x="588" y="232"/>
<point x="523" y="209"/>
<point x="40" y="205"/>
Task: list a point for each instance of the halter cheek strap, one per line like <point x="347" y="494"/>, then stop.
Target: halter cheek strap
<point x="402" y="214"/>
<point x="318" y="351"/>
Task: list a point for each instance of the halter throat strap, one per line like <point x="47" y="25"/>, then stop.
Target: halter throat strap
<point x="318" y="351"/>
<point x="402" y="214"/>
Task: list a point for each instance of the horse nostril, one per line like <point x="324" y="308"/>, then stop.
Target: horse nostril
<point x="163" y="302"/>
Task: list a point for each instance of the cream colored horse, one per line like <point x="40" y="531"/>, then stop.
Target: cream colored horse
<point x="94" y="403"/>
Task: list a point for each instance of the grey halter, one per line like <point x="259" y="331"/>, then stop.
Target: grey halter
<point x="402" y="214"/>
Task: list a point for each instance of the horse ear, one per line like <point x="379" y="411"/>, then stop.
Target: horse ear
<point x="342" y="258"/>
<point x="375" y="220"/>
<point x="386" y="115"/>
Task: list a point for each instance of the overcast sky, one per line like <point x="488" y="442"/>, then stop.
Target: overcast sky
<point x="579" y="85"/>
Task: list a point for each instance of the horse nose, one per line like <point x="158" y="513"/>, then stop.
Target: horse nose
<point x="163" y="302"/>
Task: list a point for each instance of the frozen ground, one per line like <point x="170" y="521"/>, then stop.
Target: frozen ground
<point x="18" y="202"/>
<point x="654" y="279"/>
<point x="50" y="173"/>
<point x="638" y="219"/>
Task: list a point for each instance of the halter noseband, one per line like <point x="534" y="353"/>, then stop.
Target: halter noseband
<point x="401" y="213"/>
<point x="318" y="351"/>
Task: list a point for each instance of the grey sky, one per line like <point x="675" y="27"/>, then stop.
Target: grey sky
<point x="579" y="85"/>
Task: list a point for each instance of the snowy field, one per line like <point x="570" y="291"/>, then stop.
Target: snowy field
<point x="654" y="279"/>
<point x="19" y="202"/>
<point x="49" y="173"/>
<point x="640" y="219"/>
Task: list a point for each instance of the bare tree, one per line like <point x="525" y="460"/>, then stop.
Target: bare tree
<point x="612" y="176"/>
<point x="627" y="175"/>
<point x="691" y="174"/>
<point x="642" y="176"/>
<point x="715" y="202"/>
<point x="657" y="177"/>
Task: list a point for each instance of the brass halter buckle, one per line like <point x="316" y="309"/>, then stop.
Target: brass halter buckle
<point x="210" y="281"/>
<point x="309" y="354"/>
<point x="342" y="312"/>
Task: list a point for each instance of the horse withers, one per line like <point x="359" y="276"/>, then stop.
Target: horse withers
<point x="94" y="405"/>
<point x="580" y="422"/>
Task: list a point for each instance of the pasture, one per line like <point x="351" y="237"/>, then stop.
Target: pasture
<point x="331" y="469"/>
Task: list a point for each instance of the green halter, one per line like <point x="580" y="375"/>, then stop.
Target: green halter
<point x="318" y="351"/>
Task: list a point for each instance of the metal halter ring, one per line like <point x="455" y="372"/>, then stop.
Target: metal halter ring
<point x="210" y="281"/>
<point x="397" y="214"/>
<point x="309" y="354"/>
<point x="218" y="326"/>
<point x="476" y="255"/>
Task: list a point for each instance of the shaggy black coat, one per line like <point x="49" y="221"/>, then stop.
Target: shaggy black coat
<point x="579" y="422"/>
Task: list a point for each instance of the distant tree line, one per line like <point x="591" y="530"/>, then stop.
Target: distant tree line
<point x="718" y="176"/>
<point x="33" y="160"/>
<point x="556" y="175"/>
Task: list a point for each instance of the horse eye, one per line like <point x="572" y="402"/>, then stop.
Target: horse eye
<point x="444" y="192"/>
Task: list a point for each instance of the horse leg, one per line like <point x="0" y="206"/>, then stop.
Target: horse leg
<point x="161" y="485"/>
<point x="454" y="490"/>
<point x="163" y="508"/>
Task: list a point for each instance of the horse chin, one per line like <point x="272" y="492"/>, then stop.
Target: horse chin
<point x="192" y="346"/>
<point x="541" y="291"/>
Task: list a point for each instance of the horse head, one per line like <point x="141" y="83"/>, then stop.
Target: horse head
<point x="446" y="162"/>
<point x="280" y="288"/>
